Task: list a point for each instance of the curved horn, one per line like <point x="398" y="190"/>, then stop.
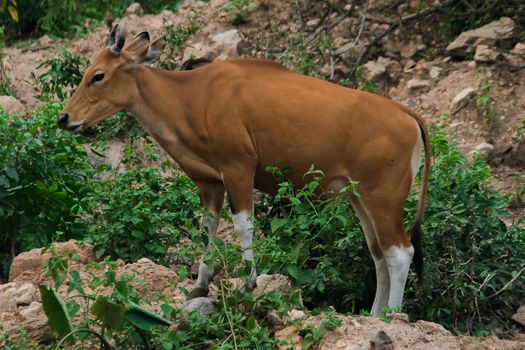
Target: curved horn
<point x="116" y="40"/>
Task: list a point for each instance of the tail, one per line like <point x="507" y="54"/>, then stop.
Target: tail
<point x="416" y="229"/>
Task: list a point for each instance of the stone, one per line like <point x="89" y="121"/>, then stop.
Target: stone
<point x="373" y="70"/>
<point x="25" y="294"/>
<point x="398" y="316"/>
<point x="226" y="43"/>
<point x="410" y="50"/>
<point x="518" y="50"/>
<point x="271" y="283"/>
<point x="202" y="305"/>
<point x="312" y="23"/>
<point x="12" y="106"/>
<point x="485" y="54"/>
<point x="461" y="100"/>
<point x="134" y="8"/>
<point x="435" y="72"/>
<point x="483" y="149"/>
<point x="296" y="315"/>
<point x="465" y="43"/>
<point x="32" y="311"/>
<point x="519" y="316"/>
<point x="7" y="301"/>
<point x="418" y="85"/>
<point x="514" y="61"/>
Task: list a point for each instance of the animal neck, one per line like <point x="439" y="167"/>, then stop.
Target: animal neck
<point x="162" y="105"/>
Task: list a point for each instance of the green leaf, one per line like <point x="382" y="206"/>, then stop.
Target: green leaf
<point x="12" y="173"/>
<point x="294" y="272"/>
<point x="56" y="311"/>
<point x="110" y="313"/>
<point x="144" y="319"/>
<point x="277" y="224"/>
<point x="13" y="13"/>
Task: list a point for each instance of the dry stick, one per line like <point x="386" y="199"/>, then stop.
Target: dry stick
<point x="320" y="29"/>
<point x="507" y="284"/>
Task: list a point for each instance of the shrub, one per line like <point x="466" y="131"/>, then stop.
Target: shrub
<point x="62" y="76"/>
<point x="140" y="213"/>
<point x="43" y="173"/>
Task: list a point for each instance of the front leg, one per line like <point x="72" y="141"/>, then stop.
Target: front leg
<point x="212" y="198"/>
<point x="239" y="186"/>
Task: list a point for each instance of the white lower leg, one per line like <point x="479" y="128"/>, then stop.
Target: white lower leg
<point x="398" y="261"/>
<point x="243" y="224"/>
<point x="205" y="271"/>
<point x="383" y="287"/>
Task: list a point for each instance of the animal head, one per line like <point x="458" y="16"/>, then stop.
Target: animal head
<point x="109" y="85"/>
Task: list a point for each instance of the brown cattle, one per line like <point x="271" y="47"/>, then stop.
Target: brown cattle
<point x="226" y="122"/>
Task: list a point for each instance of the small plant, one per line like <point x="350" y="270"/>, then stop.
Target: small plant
<point x="485" y="102"/>
<point x="5" y="81"/>
<point x="176" y="42"/>
<point x="62" y="75"/>
<point x="240" y="10"/>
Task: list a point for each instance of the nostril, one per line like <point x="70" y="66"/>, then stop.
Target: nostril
<point x="62" y="118"/>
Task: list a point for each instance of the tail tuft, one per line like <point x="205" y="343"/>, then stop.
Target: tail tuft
<point x="417" y="243"/>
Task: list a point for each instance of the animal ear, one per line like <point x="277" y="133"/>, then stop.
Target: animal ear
<point x="117" y="38"/>
<point x="138" y="41"/>
<point x="154" y="50"/>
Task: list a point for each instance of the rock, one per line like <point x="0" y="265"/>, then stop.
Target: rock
<point x="483" y="149"/>
<point x="461" y="100"/>
<point x="472" y="64"/>
<point x="435" y="72"/>
<point x="12" y="106"/>
<point x="34" y="310"/>
<point x="312" y="23"/>
<point x="418" y="85"/>
<point x="26" y="294"/>
<point x="518" y="50"/>
<point x="271" y="283"/>
<point x="376" y="70"/>
<point x="514" y="61"/>
<point x="203" y="306"/>
<point x="134" y="8"/>
<point x="409" y="66"/>
<point x="373" y="70"/>
<point x="502" y="29"/>
<point x="226" y="43"/>
<point x="408" y="51"/>
<point x="7" y="301"/>
<point x="519" y="316"/>
<point x="485" y="54"/>
<point x="27" y="267"/>
<point x="296" y="315"/>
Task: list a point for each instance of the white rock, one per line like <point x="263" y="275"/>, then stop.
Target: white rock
<point x="461" y="99"/>
<point x="485" y="54"/>
<point x="296" y="315"/>
<point x="312" y="23"/>
<point x="12" y="106"/>
<point x="418" y="85"/>
<point x="7" y="301"/>
<point x="518" y="50"/>
<point x="435" y="72"/>
<point x="373" y="70"/>
<point x="484" y="147"/>
<point x="26" y="294"/>
<point x="487" y="35"/>
<point x="32" y="311"/>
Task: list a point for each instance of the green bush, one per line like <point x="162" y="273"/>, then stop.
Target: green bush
<point x="140" y="213"/>
<point x="470" y="253"/>
<point x="63" y="74"/>
<point x="43" y="173"/>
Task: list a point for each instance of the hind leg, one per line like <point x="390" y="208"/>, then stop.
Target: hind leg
<point x="382" y="276"/>
<point x="394" y="243"/>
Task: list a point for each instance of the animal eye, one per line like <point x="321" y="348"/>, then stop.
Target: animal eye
<point x="97" y="77"/>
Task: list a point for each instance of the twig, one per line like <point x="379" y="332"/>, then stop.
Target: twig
<point x="507" y="284"/>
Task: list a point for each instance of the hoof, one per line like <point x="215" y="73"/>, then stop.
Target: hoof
<point x="198" y="292"/>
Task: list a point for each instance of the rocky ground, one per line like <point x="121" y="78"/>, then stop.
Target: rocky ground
<point x="20" y="302"/>
<point x="474" y="86"/>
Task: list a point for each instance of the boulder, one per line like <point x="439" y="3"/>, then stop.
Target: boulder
<point x="490" y="34"/>
<point x="485" y="54"/>
<point x="25" y="294"/>
<point x="33" y="311"/>
<point x="220" y="46"/>
<point x="203" y="306"/>
<point x="461" y="100"/>
<point x="7" y="300"/>
<point x="377" y="70"/>
<point x="12" y="106"/>
<point x="27" y="266"/>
